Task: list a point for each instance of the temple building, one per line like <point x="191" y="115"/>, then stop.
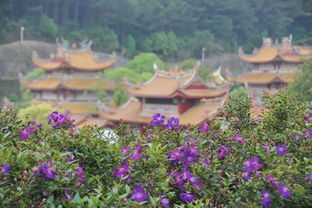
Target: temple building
<point x="71" y="80"/>
<point x="273" y="66"/>
<point x="172" y="93"/>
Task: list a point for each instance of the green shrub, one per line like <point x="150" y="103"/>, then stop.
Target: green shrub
<point x="227" y="162"/>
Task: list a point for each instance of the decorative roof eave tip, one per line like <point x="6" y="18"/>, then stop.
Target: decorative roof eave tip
<point x="155" y="67"/>
<point x="196" y="67"/>
<point x="241" y="51"/>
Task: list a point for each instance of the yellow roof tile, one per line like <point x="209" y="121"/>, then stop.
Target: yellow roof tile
<point x="94" y="122"/>
<point x="264" y="78"/>
<point x="131" y="113"/>
<point x="71" y="84"/>
<point x="173" y="83"/>
<point x="276" y="52"/>
<point x="83" y="60"/>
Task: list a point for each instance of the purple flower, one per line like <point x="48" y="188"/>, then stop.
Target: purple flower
<point x="308" y="133"/>
<point x="60" y="120"/>
<point x="26" y="132"/>
<point x="68" y="197"/>
<point x="258" y="174"/>
<point x="238" y="138"/>
<point x="46" y="171"/>
<point x="136" y="153"/>
<point x="158" y="119"/>
<point x="309" y="177"/>
<point x="308" y="117"/>
<point x="198" y="184"/>
<point x="50" y="174"/>
<point x="252" y="165"/>
<point x="272" y="180"/>
<point x="125" y="149"/>
<point x="174" y="156"/>
<point x="266" y="147"/>
<point x="184" y="155"/>
<point x="206" y="163"/>
<point x="70" y="159"/>
<point x="139" y="195"/>
<point x="164" y="202"/>
<point x="281" y="150"/>
<point x="172" y="124"/>
<point x="266" y="201"/>
<point x="284" y="191"/>
<point x="123" y="171"/>
<point x="80" y="180"/>
<point x="246" y="176"/>
<point x="224" y="150"/>
<point x="187" y="197"/>
<point x="204" y="127"/>
<point x="5" y="169"/>
<point x="79" y="172"/>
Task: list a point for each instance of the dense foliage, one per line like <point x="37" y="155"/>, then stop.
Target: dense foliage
<point x="232" y="161"/>
<point x="175" y="28"/>
<point x="302" y="86"/>
<point x="139" y="69"/>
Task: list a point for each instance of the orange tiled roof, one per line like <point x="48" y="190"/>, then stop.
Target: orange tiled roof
<point x="269" y="53"/>
<point x="92" y="122"/>
<point x="205" y="93"/>
<point x="131" y="113"/>
<point x="173" y="83"/>
<point x="42" y="84"/>
<point x="81" y="60"/>
<point x="71" y="84"/>
<point x="264" y="78"/>
<point x="78" y="118"/>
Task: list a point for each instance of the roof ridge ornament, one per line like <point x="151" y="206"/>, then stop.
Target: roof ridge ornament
<point x="155" y="67"/>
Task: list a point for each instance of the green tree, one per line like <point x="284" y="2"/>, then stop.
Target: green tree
<point x="302" y="86"/>
<point x="37" y="112"/>
<point x="48" y="27"/>
<point x="239" y="93"/>
<point x="26" y="95"/>
<point x="144" y="63"/>
<point x="205" y="73"/>
<point x="35" y="74"/>
<point x="130" y="45"/>
<point x="187" y="64"/>
<point x="120" y="97"/>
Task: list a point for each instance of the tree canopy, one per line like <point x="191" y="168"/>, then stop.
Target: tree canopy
<point x="302" y="86"/>
<point x="172" y="29"/>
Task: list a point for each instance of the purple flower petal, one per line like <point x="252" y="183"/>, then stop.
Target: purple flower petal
<point x="284" y="191"/>
<point x="187" y="197"/>
<point x="266" y="201"/>
<point x="139" y="195"/>
<point x="164" y="202"/>
<point x="281" y="150"/>
<point x="5" y="169"/>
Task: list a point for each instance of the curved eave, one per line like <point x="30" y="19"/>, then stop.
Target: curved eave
<point x="190" y="94"/>
<point x="46" y="64"/>
<point x="97" y="67"/>
<point x="277" y="57"/>
<point x="49" y="65"/>
<point x="242" y="80"/>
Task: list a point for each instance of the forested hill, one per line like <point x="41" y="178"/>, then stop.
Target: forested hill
<point x="171" y="28"/>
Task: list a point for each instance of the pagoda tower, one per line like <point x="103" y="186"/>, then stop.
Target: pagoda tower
<point x="273" y="66"/>
<point x="71" y="80"/>
<point x="172" y="93"/>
